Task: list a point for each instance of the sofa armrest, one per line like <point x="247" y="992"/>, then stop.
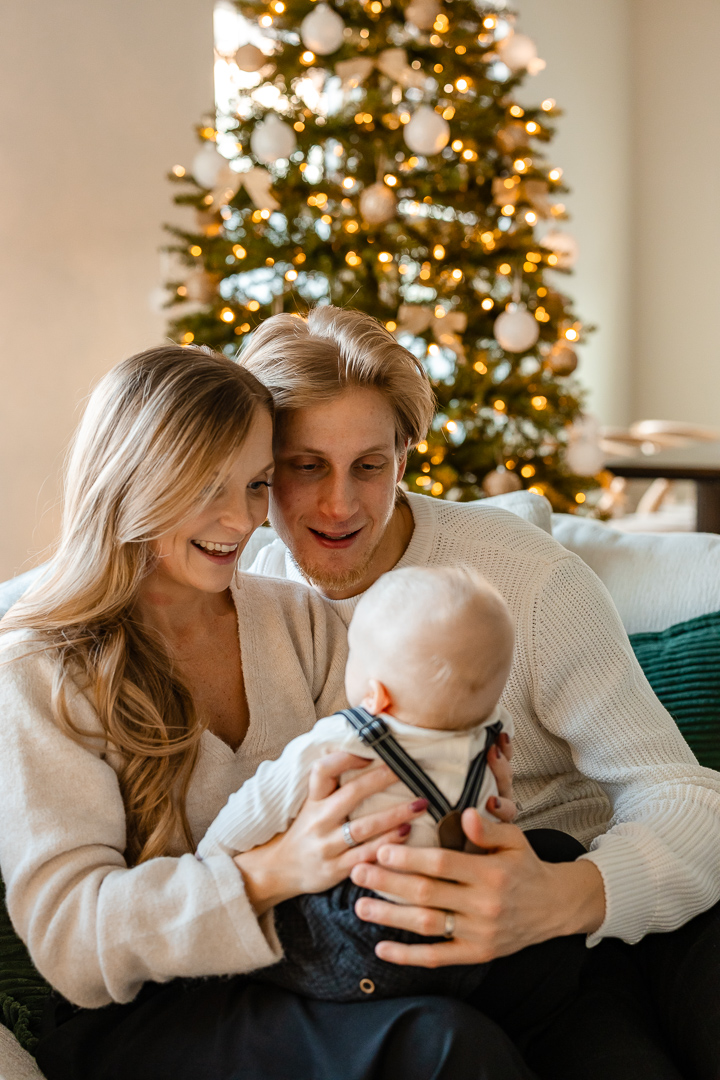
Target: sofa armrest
<point x="16" y="1063"/>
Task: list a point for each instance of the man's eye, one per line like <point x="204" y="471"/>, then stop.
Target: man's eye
<point x="366" y="467"/>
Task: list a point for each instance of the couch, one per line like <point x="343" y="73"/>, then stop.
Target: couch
<point x="655" y="580"/>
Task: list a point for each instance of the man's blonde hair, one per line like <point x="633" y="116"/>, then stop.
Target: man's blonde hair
<point x="304" y="361"/>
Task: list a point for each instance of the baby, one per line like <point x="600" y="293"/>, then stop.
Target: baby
<point x="430" y="651"/>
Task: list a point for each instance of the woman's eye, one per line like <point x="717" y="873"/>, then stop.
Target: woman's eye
<point x="256" y="485"/>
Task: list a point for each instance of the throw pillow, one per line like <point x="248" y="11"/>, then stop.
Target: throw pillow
<point x="682" y="664"/>
<point x="23" y="990"/>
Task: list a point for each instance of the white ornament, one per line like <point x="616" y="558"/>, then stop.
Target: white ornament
<point x="272" y="139"/>
<point x="584" y="455"/>
<point x="208" y="165"/>
<point x="516" y="330"/>
<point x="427" y="132"/>
<point x="377" y="204"/>
<point x="519" y="52"/>
<point x="250" y="58"/>
<point x="501" y="482"/>
<point x="564" y="246"/>
<point x="159" y="298"/>
<point x="422" y="13"/>
<point x="322" y="31"/>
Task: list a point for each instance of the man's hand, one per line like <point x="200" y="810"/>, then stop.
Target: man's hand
<point x="502" y="901"/>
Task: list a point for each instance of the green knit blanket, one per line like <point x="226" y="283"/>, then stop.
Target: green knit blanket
<point x="22" y="989"/>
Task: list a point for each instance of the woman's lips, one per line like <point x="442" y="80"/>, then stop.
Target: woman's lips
<point x="217" y="557"/>
<point x="336" y="541"/>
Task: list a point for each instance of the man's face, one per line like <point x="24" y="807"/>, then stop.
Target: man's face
<point x="333" y="496"/>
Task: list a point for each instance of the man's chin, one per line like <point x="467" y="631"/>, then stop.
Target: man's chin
<point x="334" y="579"/>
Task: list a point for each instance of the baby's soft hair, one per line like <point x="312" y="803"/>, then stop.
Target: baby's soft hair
<point x="157" y="435"/>
<point x="304" y="361"/>
<point x="429" y="626"/>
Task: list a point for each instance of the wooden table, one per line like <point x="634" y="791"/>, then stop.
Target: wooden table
<point x="700" y="463"/>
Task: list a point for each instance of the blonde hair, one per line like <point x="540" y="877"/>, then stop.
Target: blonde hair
<point x="439" y="638"/>
<point x="303" y="361"/>
<point x="157" y="433"/>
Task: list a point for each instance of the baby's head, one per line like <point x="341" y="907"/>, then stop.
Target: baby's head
<point x="433" y="647"/>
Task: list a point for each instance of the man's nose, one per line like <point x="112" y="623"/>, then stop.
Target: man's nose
<point x="337" y="498"/>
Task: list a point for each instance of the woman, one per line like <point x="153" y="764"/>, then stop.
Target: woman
<point x="139" y="687"/>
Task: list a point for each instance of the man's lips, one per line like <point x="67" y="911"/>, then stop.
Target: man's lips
<point x="336" y="541"/>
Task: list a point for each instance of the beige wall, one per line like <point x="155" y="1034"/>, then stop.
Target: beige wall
<point x="97" y="102"/>
<point x="676" y="210"/>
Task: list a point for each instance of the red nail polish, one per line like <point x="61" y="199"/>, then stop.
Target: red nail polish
<point x="418" y="805"/>
<point x="404" y="829"/>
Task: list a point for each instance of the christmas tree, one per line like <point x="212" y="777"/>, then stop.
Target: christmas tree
<point x="373" y="155"/>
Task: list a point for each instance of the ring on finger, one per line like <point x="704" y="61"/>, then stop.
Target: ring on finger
<point x="348" y="836"/>
<point x="449" y="930"/>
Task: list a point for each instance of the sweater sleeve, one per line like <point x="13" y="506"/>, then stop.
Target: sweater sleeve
<point x="96" y="929"/>
<point x="659" y="859"/>
<point x="269" y="801"/>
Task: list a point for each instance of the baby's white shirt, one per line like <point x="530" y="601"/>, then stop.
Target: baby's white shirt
<point x="268" y="802"/>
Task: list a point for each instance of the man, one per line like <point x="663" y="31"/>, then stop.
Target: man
<point x="596" y="755"/>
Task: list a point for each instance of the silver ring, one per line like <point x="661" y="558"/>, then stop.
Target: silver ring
<point x="348" y="836"/>
<point x="449" y="931"/>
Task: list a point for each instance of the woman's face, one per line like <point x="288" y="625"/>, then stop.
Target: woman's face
<point x="202" y="552"/>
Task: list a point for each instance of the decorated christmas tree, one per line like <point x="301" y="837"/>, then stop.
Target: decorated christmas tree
<point x="373" y="155"/>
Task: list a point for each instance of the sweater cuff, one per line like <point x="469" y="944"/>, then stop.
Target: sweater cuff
<point x="630" y="885"/>
<point x="257" y="937"/>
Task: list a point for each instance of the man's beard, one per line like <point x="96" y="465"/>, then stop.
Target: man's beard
<point x="342" y="580"/>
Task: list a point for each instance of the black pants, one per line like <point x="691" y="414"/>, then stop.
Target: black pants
<point x="330" y="952"/>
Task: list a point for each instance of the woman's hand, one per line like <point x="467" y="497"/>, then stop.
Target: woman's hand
<point x="499" y="757"/>
<point x="502" y="901"/>
<point x="313" y="854"/>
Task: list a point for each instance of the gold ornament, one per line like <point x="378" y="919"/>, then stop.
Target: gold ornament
<point x="562" y="359"/>
<point x="377" y="204"/>
<point x="501" y="482"/>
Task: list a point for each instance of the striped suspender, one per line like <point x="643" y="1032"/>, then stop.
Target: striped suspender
<point x="374" y="732"/>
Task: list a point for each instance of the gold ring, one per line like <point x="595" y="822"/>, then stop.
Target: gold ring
<point x="449" y="931"/>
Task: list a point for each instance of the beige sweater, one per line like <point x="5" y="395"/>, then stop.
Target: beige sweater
<point x="596" y="755"/>
<point x="96" y="929"/>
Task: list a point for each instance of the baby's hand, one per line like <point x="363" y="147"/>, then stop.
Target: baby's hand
<point x="502" y="806"/>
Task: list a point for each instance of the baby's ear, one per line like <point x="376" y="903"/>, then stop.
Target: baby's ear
<point x="377" y="699"/>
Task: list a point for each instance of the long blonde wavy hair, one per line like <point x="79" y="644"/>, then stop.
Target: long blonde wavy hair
<point x="157" y="434"/>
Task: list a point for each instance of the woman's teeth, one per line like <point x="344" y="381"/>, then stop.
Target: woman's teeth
<point x="221" y="549"/>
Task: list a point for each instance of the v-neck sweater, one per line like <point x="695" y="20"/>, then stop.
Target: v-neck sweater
<point x="96" y="929"/>
<point x="595" y="753"/>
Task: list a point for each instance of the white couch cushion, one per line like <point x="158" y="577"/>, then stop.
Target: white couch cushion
<point x="656" y="580"/>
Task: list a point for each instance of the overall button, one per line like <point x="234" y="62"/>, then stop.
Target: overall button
<point x="367" y="986"/>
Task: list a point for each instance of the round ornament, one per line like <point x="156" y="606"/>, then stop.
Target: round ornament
<point x="322" y="31"/>
<point x="564" y="245"/>
<point x="427" y="132"/>
<point x="562" y="359"/>
<point x="207" y="165"/>
<point x="584" y="455"/>
<point x="272" y="139"/>
<point x="517" y="51"/>
<point x="501" y="482"/>
<point x="250" y="58"/>
<point x="422" y="13"/>
<point x="377" y="204"/>
<point x="516" y="330"/>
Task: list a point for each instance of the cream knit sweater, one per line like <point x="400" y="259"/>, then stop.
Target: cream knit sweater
<point x="95" y="929"/>
<point x="596" y="755"/>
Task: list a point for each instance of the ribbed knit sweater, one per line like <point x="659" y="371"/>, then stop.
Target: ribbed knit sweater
<point x="96" y="929"/>
<point x="596" y="754"/>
